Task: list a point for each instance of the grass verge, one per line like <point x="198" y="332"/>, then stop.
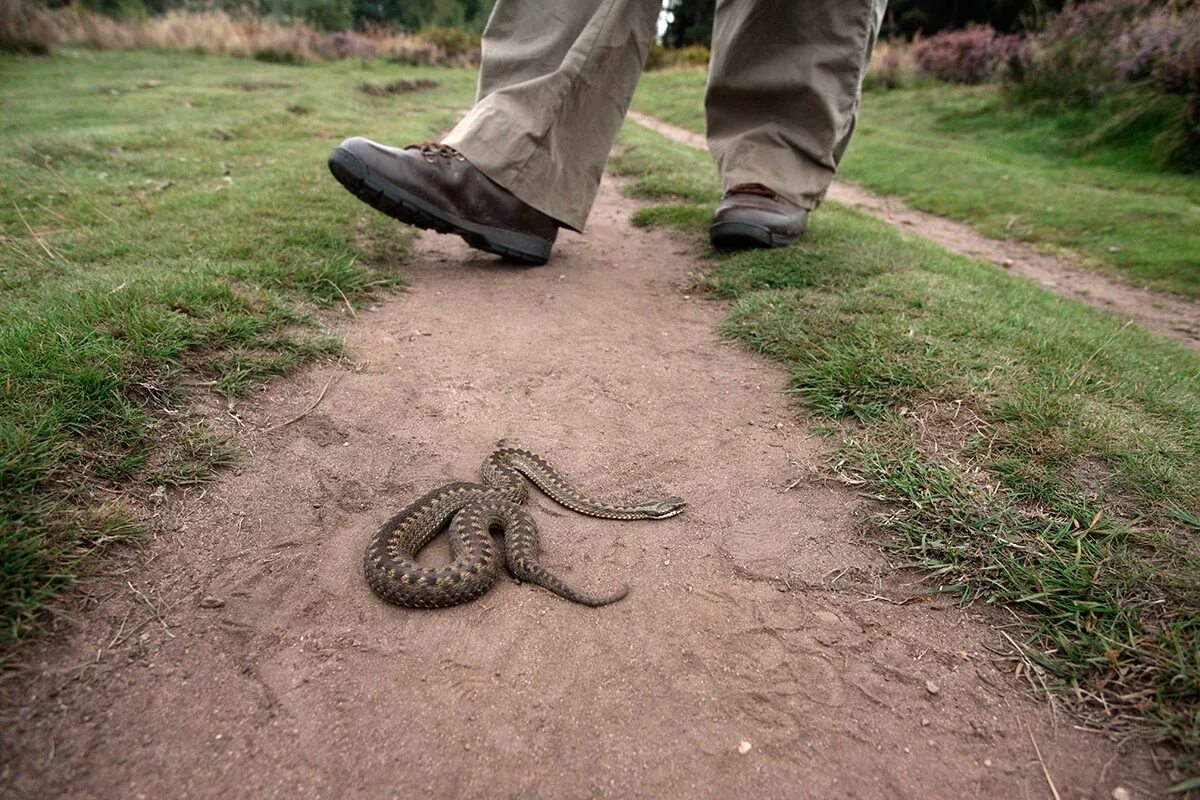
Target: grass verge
<point x="1031" y="450"/>
<point x="962" y="152"/>
<point x="167" y="220"/>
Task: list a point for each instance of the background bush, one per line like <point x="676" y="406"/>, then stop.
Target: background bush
<point x="326" y="15"/>
<point x="1136" y="60"/>
<point x="967" y="56"/>
<point x="693" y="56"/>
<point x="36" y="29"/>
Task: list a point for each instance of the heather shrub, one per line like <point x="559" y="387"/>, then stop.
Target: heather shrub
<point x="971" y="55"/>
<point x="347" y="44"/>
<point x="1136" y="61"/>
<point x="1178" y="74"/>
<point x="1074" y="59"/>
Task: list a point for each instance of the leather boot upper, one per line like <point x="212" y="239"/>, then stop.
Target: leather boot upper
<point x="757" y="205"/>
<point x="442" y="177"/>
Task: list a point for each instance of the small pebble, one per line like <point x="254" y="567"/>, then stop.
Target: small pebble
<point x="1121" y="793"/>
<point x="924" y="723"/>
<point x="932" y="687"/>
<point x="744" y="747"/>
<point x="987" y="762"/>
<point x="211" y="602"/>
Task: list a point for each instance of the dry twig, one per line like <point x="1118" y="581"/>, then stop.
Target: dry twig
<point x="308" y="410"/>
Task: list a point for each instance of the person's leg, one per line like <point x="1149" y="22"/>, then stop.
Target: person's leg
<point x="554" y="85"/>
<point x="556" y="80"/>
<point x="781" y="103"/>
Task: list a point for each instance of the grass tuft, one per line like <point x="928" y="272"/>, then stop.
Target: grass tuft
<point x="194" y="457"/>
<point x="165" y="216"/>
<point x="1031" y="450"/>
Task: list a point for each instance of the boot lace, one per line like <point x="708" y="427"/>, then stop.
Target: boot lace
<point x="432" y="151"/>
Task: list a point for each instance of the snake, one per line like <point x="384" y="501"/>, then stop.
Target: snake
<point x="474" y="511"/>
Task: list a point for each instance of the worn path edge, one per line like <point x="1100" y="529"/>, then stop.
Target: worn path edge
<point x="1167" y="315"/>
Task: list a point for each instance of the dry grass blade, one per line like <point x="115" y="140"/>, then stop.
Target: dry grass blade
<point x="54" y="255"/>
<point x="1046" y="772"/>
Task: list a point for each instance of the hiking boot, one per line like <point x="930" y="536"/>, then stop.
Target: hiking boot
<point x="433" y="186"/>
<point x="751" y="215"/>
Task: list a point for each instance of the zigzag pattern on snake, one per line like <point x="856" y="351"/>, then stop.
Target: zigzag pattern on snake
<point x="475" y="511"/>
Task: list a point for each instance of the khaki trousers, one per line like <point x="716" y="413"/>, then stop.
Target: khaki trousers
<point x="557" y="77"/>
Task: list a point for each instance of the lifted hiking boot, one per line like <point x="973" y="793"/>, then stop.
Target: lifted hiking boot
<point x="751" y="215"/>
<point x="433" y="186"/>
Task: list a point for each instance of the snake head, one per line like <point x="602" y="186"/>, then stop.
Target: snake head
<point x="666" y="507"/>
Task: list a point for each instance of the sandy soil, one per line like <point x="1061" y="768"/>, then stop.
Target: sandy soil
<point x="765" y="650"/>
<point x="1167" y="315"/>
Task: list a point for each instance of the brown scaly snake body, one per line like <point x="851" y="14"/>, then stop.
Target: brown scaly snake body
<point x="474" y="511"/>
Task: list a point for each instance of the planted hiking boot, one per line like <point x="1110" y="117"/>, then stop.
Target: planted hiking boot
<point x="433" y="186"/>
<point x="751" y="215"/>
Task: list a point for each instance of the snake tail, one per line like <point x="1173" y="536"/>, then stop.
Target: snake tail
<point x="539" y="575"/>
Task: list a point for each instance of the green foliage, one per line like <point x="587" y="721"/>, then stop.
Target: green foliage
<point x="415" y="15"/>
<point x="325" y="15"/>
<point x="909" y="18"/>
<point x="691" y="21"/>
<point x="1031" y="450"/>
<point x="117" y="9"/>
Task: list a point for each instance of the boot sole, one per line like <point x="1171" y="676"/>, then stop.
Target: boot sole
<point x="743" y="236"/>
<point x="394" y="201"/>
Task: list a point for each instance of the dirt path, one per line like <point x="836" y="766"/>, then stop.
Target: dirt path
<point x="1167" y="315"/>
<point x="762" y="652"/>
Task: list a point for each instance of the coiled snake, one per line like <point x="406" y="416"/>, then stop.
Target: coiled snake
<point x="474" y="511"/>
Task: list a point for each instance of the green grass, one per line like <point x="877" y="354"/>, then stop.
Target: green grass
<point x="1031" y="450"/>
<point x="963" y="152"/>
<point x="166" y="216"/>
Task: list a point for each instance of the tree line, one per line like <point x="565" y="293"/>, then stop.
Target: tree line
<point x="690" y="21"/>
